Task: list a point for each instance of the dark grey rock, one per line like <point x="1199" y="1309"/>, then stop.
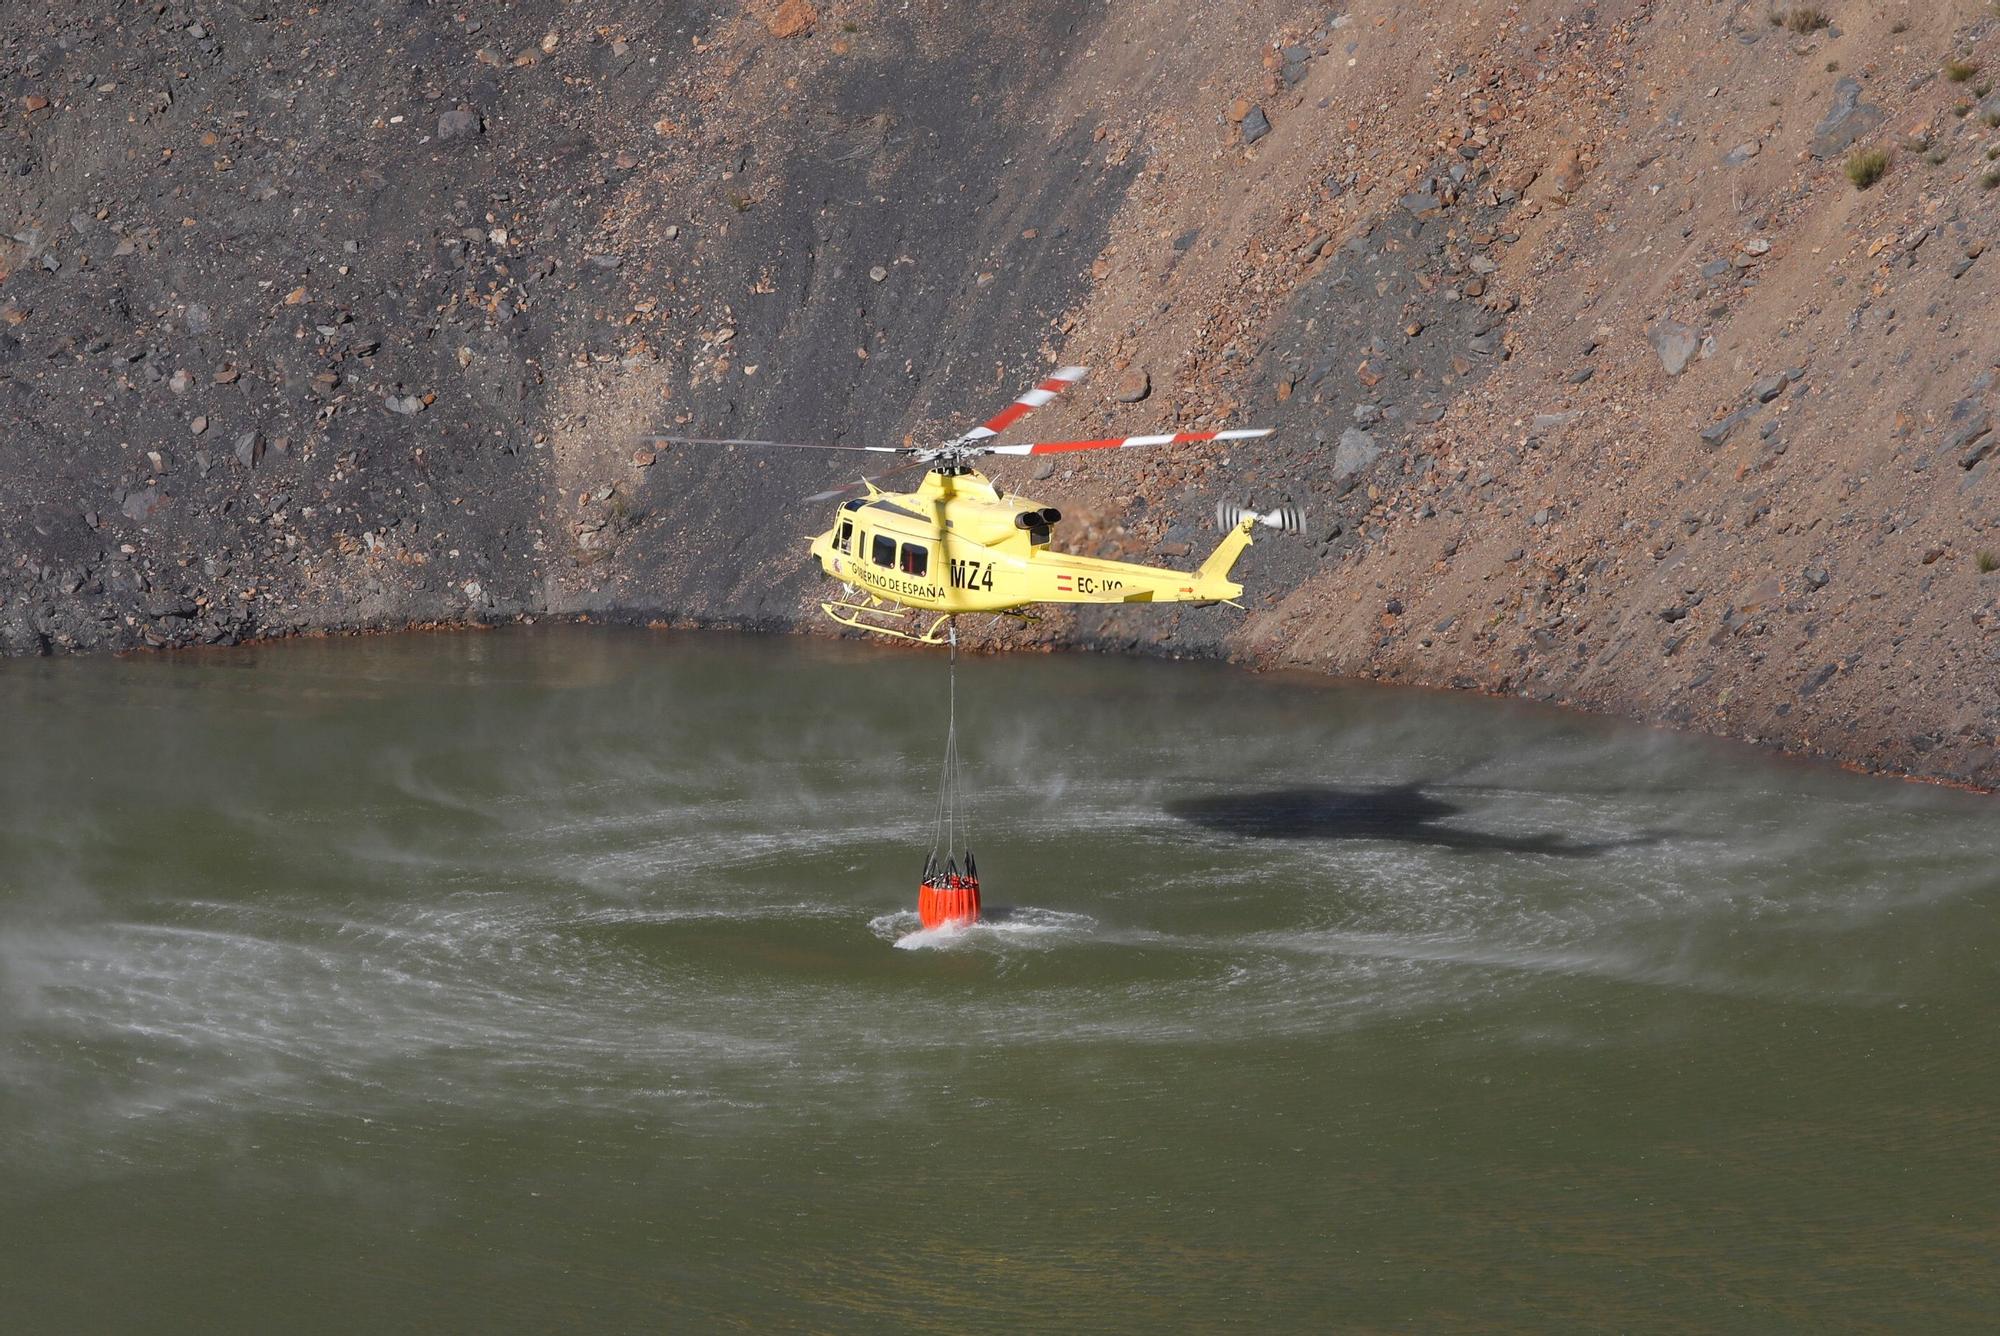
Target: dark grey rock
<point x="1769" y="388"/>
<point x="250" y="449"/>
<point x="1580" y="375"/>
<point x="1974" y="438"/>
<point x="1716" y="433"/>
<point x="20" y="636"/>
<point x="1816" y="576"/>
<point x="1420" y="203"/>
<point x="1846" y="121"/>
<point x="1676" y="344"/>
<point x="1717" y="268"/>
<point x="140" y="503"/>
<point x="1356" y="451"/>
<point x="1820" y="678"/>
<point x="1255" y="126"/>
<point x="464" y="123"/>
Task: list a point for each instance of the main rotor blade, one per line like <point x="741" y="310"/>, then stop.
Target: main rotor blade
<point x="903" y="467"/>
<point x="1124" y="442"/>
<point x="781" y="445"/>
<point x="1058" y="381"/>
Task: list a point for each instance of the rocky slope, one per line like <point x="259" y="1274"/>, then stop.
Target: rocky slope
<point x="1599" y="379"/>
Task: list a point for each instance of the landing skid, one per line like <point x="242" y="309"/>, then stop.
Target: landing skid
<point x="884" y="621"/>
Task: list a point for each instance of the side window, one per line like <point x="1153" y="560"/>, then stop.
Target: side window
<point x="916" y="559"/>
<point x="845" y="542"/>
<point x="884" y="551"/>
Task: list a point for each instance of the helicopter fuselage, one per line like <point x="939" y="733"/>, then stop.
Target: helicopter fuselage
<point x="957" y="544"/>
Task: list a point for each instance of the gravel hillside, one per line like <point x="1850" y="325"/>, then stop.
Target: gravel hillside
<point x="1601" y="380"/>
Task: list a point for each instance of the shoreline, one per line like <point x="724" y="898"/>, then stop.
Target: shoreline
<point x="657" y="621"/>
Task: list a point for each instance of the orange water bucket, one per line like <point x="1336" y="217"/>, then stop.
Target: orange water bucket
<point x="948" y="901"/>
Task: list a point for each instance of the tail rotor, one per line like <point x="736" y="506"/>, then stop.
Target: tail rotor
<point x="1285" y="519"/>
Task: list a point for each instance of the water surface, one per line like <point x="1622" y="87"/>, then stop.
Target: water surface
<point x="569" y="980"/>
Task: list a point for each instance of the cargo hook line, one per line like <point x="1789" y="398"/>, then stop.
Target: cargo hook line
<point x="944" y="835"/>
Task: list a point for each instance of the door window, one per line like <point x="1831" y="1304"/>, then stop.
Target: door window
<point x="845" y="542"/>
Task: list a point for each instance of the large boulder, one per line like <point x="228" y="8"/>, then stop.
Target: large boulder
<point x="1356" y="451"/>
<point x="1676" y="344"/>
<point x="1846" y="121"/>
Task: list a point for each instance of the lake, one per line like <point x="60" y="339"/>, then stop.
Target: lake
<point x="569" y="978"/>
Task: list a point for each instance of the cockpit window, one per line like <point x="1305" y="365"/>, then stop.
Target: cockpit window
<point x="883" y="553"/>
<point x="916" y="559"/>
<point x="845" y="540"/>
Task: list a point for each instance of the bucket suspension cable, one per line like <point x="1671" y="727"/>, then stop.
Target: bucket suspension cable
<point x="949" y="897"/>
<point x="943" y="860"/>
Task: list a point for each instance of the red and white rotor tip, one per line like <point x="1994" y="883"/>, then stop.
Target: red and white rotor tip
<point x="1128" y="442"/>
<point x="1051" y="385"/>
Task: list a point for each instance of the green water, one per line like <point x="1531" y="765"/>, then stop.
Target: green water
<point x="568" y="980"/>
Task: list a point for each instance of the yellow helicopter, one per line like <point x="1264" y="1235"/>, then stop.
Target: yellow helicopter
<point x="959" y="544"/>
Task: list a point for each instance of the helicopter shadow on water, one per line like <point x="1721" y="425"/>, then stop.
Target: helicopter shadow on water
<point x="1402" y="812"/>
